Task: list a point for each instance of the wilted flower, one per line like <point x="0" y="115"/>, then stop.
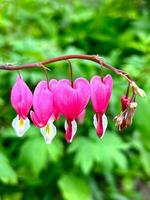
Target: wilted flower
<point x="130" y="113"/>
<point x="124" y="120"/>
<point x="71" y="101"/>
<point x="21" y="100"/>
<point x="120" y="121"/>
<point x="101" y="90"/>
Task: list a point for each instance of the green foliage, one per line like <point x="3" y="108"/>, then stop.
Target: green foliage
<point x="106" y="152"/>
<point x="7" y="174"/>
<point x="114" y="168"/>
<point x="35" y="153"/>
<point x="74" y="188"/>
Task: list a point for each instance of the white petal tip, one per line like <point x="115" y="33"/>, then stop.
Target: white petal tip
<point x="48" y="132"/>
<point x="104" y="124"/>
<point x="20" y="125"/>
<point x="47" y="141"/>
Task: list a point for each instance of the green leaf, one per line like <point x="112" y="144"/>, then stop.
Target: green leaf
<point x="145" y="161"/>
<point x="7" y="174"/>
<point x="110" y="150"/>
<point x="144" y="156"/>
<point x="55" y="150"/>
<point x="74" y="188"/>
<point x="107" y="151"/>
<point x="34" y="154"/>
<point x="85" y="153"/>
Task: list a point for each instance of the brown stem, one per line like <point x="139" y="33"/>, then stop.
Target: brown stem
<point x="94" y="58"/>
<point x="127" y="92"/>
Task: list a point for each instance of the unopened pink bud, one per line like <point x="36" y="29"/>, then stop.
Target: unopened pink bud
<point x="124" y="102"/>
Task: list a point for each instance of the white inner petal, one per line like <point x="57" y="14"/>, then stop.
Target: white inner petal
<point x="74" y="128"/>
<point x="48" y="132"/>
<point x="95" y="121"/>
<point x="66" y="125"/>
<point x="20" y="125"/>
<point x="104" y="123"/>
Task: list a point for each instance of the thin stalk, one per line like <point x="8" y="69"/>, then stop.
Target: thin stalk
<point x="70" y="72"/>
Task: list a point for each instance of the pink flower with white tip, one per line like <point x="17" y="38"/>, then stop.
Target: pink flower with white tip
<point x="71" y="100"/>
<point x="101" y="90"/>
<point x="21" y="100"/>
<point x="43" y="110"/>
<point x="52" y="85"/>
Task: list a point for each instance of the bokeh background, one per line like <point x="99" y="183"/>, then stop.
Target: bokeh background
<point x="114" y="168"/>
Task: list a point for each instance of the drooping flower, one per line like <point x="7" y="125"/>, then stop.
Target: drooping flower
<point x="124" y="119"/>
<point x="21" y="100"/>
<point x="71" y="100"/>
<point x="43" y="110"/>
<point x="56" y="113"/>
<point x="101" y="90"/>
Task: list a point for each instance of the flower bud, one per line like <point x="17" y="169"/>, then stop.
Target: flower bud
<point x="140" y="91"/>
<point x="124" y="102"/>
<point x="133" y="105"/>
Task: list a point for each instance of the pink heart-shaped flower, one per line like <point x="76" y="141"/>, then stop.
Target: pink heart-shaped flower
<point x="71" y="101"/>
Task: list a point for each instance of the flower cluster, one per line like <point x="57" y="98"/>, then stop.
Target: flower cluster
<point x="54" y="98"/>
<point x="124" y="120"/>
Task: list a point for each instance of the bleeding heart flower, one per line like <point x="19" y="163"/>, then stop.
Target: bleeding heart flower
<point x="52" y="85"/>
<point x="101" y="89"/>
<point x="43" y="110"/>
<point x="21" y="100"/>
<point x="71" y="101"/>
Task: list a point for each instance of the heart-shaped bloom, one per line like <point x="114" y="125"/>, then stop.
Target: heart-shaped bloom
<point x="52" y="85"/>
<point x="101" y="89"/>
<point x="43" y="110"/>
<point x="71" y="101"/>
<point x="21" y="100"/>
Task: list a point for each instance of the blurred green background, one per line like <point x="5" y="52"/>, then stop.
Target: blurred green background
<point x="115" y="168"/>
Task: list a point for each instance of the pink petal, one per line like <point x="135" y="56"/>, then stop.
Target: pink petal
<point x="36" y="121"/>
<point x="101" y="90"/>
<point x="53" y="84"/>
<point x="21" y="97"/>
<point x="43" y="102"/>
<point x="72" y="101"/>
<point x="56" y="113"/>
